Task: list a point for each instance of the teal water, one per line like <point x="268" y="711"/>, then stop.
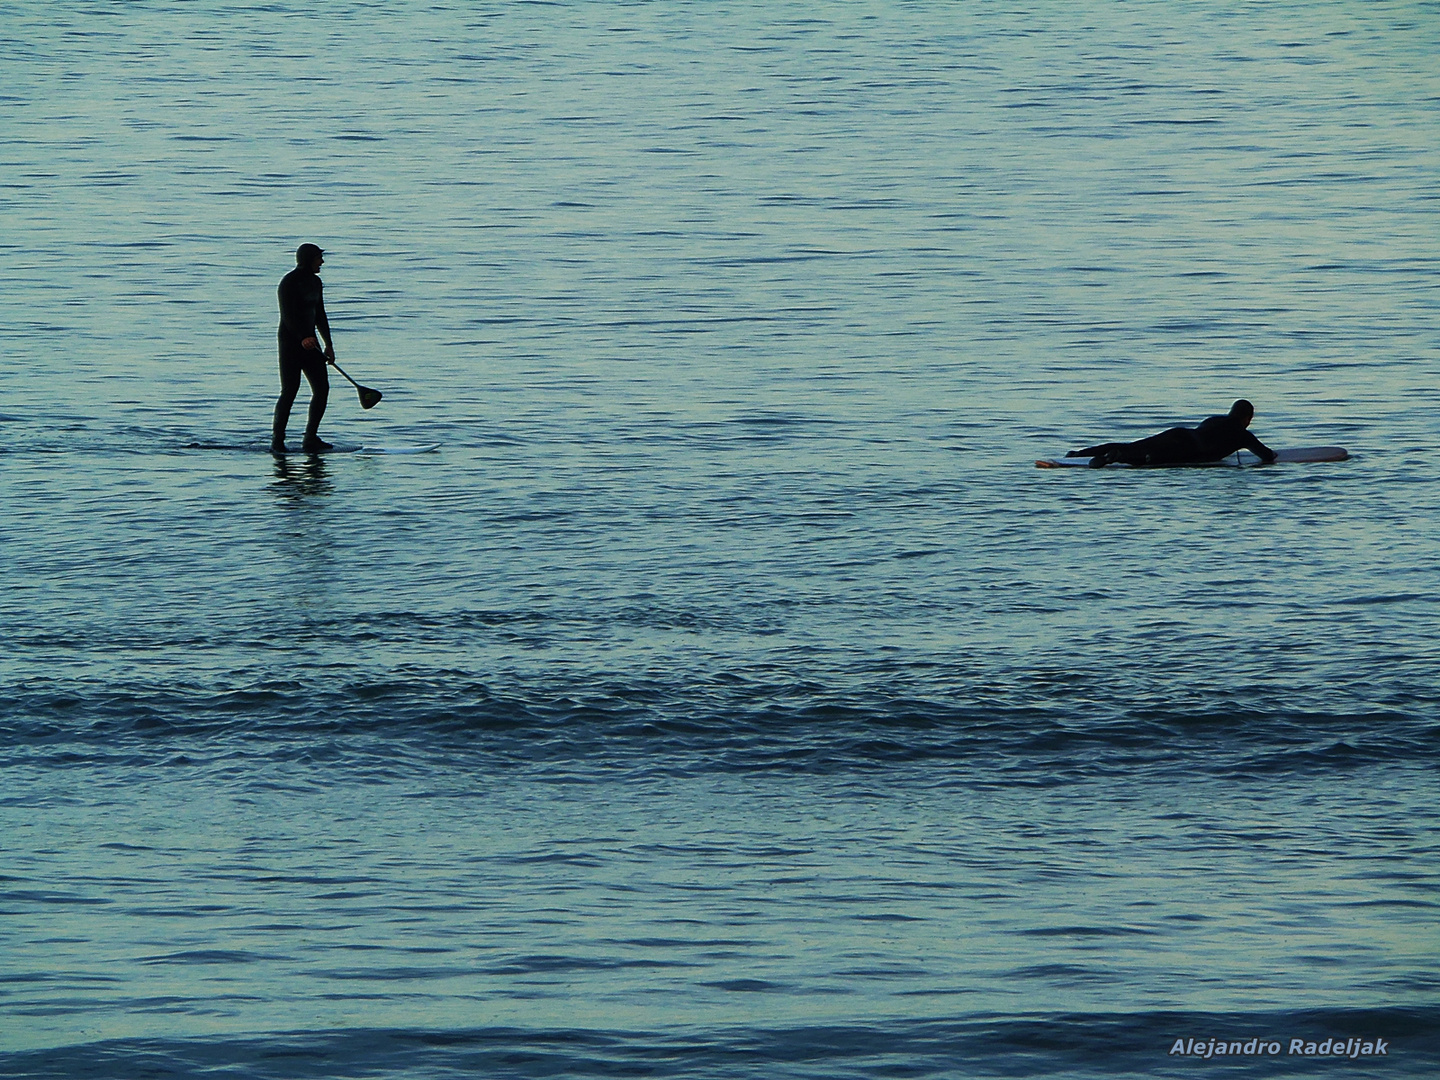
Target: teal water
<point x="729" y="695"/>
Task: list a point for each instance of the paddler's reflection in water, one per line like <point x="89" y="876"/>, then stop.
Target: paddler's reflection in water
<point x="301" y="477"/>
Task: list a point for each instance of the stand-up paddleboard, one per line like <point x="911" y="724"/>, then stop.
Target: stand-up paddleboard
<point x="1242" y="458"/>
<point x="296" y="451"/>
<point x="425" y="449"/>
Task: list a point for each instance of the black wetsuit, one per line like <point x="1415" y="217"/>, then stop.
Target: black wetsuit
<point x="302" y="313"/>
<point x="1213" y="438"/>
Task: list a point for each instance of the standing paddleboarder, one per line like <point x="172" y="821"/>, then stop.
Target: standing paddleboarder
<point x="302" y="315"/>
<point x="1213" y="438"/>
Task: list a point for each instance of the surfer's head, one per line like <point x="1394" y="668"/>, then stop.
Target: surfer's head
<point x="1242" y="412"/>
<point x="309" y="256"/>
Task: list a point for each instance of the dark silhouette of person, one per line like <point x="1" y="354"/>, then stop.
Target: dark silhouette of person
<point x="1213" y="438"/>
<point x="302" y="316"/>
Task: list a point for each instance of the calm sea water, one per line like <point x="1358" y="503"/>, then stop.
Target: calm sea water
<point x="729" y="696"/>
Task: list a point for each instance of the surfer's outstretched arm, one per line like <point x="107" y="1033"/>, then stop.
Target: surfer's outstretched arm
<point x="1258" y="448"/>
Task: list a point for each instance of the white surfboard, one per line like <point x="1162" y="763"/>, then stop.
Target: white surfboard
<point x="1242" y="458"/>
<point x="425" y="449"/>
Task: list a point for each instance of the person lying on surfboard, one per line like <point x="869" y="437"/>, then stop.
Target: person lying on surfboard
<point x="302" y="315"/>
<point x="1213" y="438"/>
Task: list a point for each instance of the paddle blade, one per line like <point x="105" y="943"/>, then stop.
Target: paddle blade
<point x="369" y="398"/>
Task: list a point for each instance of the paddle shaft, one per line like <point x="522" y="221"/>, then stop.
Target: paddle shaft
<point x="340" y="369"/>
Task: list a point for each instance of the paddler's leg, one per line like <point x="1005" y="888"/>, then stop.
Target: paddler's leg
<point x="289" y="387"/>
<point x="1177" y="446"/>
<point x="319" y="379"/>
<point x="1103" y="454"/>
<point x="1095" y="451"/>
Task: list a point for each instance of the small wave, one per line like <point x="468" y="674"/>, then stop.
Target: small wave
<point x="718" y="724"/>
<point x="1080" y="1045"/>
<point x="204" y="956"/>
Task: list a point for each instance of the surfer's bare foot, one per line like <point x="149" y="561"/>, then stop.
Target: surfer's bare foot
<point x="313" y="444"/>
<point x="277" y="447"/>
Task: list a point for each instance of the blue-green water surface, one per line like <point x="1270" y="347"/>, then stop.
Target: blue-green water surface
<point x="729" y="695"/>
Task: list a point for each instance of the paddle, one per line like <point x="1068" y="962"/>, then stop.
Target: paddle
<point x="368" y="398"/>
